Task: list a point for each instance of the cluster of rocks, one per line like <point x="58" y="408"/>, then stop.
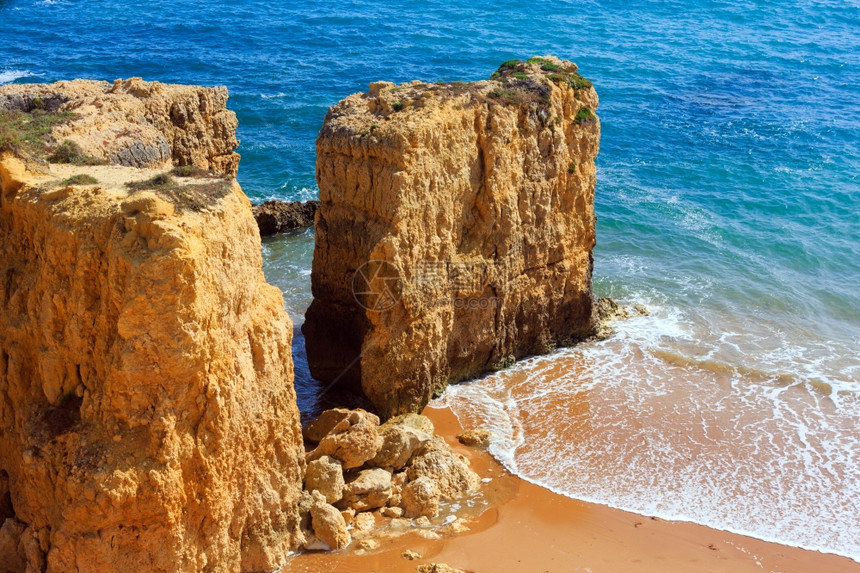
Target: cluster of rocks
<point x="361" y="473"/>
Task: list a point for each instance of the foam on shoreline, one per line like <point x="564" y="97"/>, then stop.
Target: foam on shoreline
<point x="718" y="430"/>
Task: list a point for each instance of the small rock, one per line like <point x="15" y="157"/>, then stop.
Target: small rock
<point x="392" y="511"/>
<point x="448" y="471"/>
<point x="609" y="311"/>
<point x="317" y="429"/>
<point x="348" y="515"/>
<point x="414" y="421"/>
<point x="421" y="497"/>
<point x="410" y="555"/>
<point x="400" y="523"/>
<point x="367" y="544"/>
<point x="398" y="445"/>
<point x="437" y="568"/>
<point x="369" y="490"/>
<point x="328" y="523"/>
<point x="353" y="440"/>
<point x="364" y="521"/>
<point x="455" y="527"/>
<point x="423" y="521"/>
<point x="475" y="438"/>
<point x="326" y="476"/>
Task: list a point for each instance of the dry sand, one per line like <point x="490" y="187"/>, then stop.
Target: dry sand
<point x="531" y="529"/>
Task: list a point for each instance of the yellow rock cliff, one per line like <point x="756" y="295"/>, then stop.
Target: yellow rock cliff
<point x="148" y="420"/>
<point x="455" y="230"/>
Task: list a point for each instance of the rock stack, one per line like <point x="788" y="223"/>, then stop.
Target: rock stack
<point x="455" y="230"/>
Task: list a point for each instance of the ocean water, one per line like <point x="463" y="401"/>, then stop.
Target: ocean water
<point x="728" y="203"/>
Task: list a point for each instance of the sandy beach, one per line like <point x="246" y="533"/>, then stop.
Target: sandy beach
<point x="532" y="529"/>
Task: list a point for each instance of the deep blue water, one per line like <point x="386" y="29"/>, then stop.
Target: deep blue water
<point x="728" y="196"/>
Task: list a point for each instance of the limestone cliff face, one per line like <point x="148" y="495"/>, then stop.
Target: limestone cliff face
<point x="148" y="420"/>
<point x="455" y="231"/>
<point x="139" y="124"/>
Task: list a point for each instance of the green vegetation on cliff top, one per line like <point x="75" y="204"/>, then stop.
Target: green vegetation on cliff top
<point x="30" y="133"/>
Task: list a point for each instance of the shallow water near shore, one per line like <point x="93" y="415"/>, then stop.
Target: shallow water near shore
<point x="728" y="203"/>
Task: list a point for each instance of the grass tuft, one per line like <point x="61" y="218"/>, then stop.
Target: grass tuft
<point x="81" y="179"/>
<point x="70" y="152"/>
<point x="160" y="181"/>
<point x="584" y="115"/>
<point x="189" y="171"/>
<point x="578" y="82"/>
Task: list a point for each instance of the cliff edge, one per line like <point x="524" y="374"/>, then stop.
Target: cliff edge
<point x="148" y="420"/>
<point x="455" y="231"/>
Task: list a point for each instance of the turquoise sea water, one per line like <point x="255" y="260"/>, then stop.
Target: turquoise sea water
<point x="728" y="202"/>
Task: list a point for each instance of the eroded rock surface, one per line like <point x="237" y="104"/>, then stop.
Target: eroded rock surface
<point x="421" y="497"/>
<point x="455" y="230"/>
<point x="370" y="489"/>
<point x="399" y="442"/>
<point x="328" y="523"/>
<point x="449" y="471"/>
<point x="475" y="438"/>
<point x="147" y="415"/>
<point x="325" y="475"/>
<point x="353" y="440"/>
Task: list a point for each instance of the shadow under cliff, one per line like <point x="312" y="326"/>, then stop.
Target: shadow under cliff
<point x="314" y="396"/>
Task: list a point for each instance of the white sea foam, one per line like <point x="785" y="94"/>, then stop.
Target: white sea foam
<point x="289" y="193"/>
<point x="7" y="76"/>
<point x="689" y="422"/>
